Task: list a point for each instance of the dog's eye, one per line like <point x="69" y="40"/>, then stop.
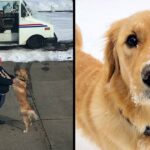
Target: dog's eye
<point x="132" y="41"/>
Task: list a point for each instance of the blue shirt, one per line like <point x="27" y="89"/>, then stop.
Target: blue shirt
<point x="4" y="82"/>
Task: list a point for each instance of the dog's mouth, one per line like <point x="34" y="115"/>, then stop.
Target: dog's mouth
<point x="20" y="78"/>
<point x="142" y="97"/>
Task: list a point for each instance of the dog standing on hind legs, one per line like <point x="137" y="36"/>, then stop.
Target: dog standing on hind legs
<point x="20" y="88"/>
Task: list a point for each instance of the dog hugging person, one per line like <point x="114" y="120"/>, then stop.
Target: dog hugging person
<point x="19" y="83"/>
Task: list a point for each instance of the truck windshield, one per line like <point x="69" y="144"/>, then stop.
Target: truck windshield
<point x="28" y="9"/>
<point x="23" y="11"/>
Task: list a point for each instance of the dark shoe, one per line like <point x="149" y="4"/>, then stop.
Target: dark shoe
<point x="2" y="122"/>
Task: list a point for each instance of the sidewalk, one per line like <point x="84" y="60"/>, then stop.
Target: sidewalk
<point x="51" y="95"/>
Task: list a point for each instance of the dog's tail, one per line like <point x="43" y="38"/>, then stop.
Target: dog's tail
<point x="78" y="39"/>
<point x="31" y="114"/>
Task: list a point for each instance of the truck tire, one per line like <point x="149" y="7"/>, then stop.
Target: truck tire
<point x="35" y="42"/>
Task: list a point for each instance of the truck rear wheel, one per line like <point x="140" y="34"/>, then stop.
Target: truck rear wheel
<point x="35" y="42"/>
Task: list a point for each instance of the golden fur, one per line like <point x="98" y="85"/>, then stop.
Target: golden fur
<point x="20" y="90"/>
<point x="111" y="105"/>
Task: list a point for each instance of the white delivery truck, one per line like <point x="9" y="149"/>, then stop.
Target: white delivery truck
<point x="19" y="27"/>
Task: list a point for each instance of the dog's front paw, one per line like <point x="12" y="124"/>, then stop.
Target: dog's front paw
<point x="144" y="143"/>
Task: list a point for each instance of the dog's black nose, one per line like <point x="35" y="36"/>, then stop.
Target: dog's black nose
<point x="146" y="75"/>
<point x="147" y="131"/>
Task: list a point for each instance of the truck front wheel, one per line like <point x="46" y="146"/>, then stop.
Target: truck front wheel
<point x="35" y="42"/>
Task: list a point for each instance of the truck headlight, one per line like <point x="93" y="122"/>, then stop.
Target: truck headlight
<point x="47" y="28"/>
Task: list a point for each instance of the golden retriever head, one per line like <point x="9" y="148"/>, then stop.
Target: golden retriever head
<point x="22" y="75"/>
<point x="127" y="55"/>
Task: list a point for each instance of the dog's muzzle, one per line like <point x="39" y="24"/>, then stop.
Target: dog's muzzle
<point x="20" y="78"/>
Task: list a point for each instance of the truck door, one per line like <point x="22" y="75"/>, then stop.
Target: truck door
<point x="9" y="20"/>
<point x="24" y="21"/>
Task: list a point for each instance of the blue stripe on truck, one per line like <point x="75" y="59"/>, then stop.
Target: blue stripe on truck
<point x="32" y="26"/>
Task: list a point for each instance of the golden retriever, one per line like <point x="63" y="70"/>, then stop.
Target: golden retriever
<point x="20" y="90"/>
<point x="113" y="98"/>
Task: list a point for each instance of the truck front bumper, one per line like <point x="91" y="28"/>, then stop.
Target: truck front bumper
<point x="52" y="40"/>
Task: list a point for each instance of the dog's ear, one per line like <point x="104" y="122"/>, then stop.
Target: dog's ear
<point x="111" y="62"/>
<point x="78" y="39"/>
<point x="24" y="74"/>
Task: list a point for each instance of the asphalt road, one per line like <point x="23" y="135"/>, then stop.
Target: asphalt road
<point x="50" y="92"/>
